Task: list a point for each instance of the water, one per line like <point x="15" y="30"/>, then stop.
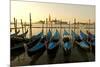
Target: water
<point x="36" y="29"/>
<point x="76" y="54"/>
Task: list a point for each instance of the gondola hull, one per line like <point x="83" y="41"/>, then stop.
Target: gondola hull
<point x="39" y="51"/>
<point x="52" y="51"/>
<point x="67" y="46"/>
<point x="66" y="51"/>
<point x="39" y="48"/>
<point x="93" y="49"/>
<point x="53" y="45"/>
<point x="33" y="42"/>
<point x="84" y="46"/>
<point x="67" y="43"/>
<point x="17" y="40"/>
<point x="17" y="50"/>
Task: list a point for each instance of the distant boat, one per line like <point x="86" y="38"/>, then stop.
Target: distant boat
<point x="53" y="44"/>
<point x="38" y="47"/>
<point x="67" y="43"/>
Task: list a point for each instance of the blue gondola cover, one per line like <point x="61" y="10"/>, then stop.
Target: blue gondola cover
<point x="56" y="35"/>
<point x="51" y="45"/>
<point x="65" y="33"/>
<point x="83" y="36"/>
<point x="36" y="47"/>
<point x="84" y="44"/>
<point x="67" y="45"/>
<point x="49" y="35"/>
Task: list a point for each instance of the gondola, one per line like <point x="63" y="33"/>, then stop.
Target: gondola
<point x="48" y="38"/>
<point x="75" y="37"/>
<point x="49" y="35"/>
<point x="84" y="44"/>
<point x="34" y="40"/>
<point x="17" y="49"/>
<point x="23" y="34"/>
<point x="91" y="40"/>
<point x="15" y="34"/>
<point x="39" y="47"/>
<point x="65" y="32"/>
<point x="83" y="36"/>
<point x="67" y="43"/>
<point x="53" y="45"/>
<point x="19" y="38"/>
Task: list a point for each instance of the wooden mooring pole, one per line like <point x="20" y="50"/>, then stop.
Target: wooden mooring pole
<point x="22" y="26"/>
<point x="43" y="26"/>
<point x="69" y="28"/>
<point x="60" y="28"/>
<point x="78" y="28"/>
<point x="46" y="25"/>
<point x="74" y="24"/>
<point x="89" y="25"/>
<point x="30" y="25"/>
<point x="25" y="26"/>
<point x="15" y="25"/>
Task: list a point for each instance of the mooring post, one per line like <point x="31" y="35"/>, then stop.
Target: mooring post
<point x="89" y="31"/>
<point x="22" y="26"/>
<point x="51" y="25"/>
<point x="43" y="26"/>
<point x="30" y="25"/>
<point x="60" y="28"/>
<point x="46" y="24"/>
<point x="25" y="26"/>
<point x="94" y="27"/>
<point x="74" y="24"/>
<point x="89" y="24"/>
<point x="69" y="27"/>
<point x="15" y="25"/>
<point x="78" y="28"/>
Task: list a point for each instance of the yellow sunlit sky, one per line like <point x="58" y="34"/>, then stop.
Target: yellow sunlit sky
<point x="41" y="11"/>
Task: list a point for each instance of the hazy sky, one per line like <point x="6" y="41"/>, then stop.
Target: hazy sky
<point x="40" y="11"/>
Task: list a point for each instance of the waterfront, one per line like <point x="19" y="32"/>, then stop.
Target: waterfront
<point x="77" y="55"/>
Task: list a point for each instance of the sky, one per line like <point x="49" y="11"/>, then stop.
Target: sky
<point x="41" y="11"/>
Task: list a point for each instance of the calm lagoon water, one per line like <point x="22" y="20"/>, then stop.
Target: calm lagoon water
<point x="36" y="28"/>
